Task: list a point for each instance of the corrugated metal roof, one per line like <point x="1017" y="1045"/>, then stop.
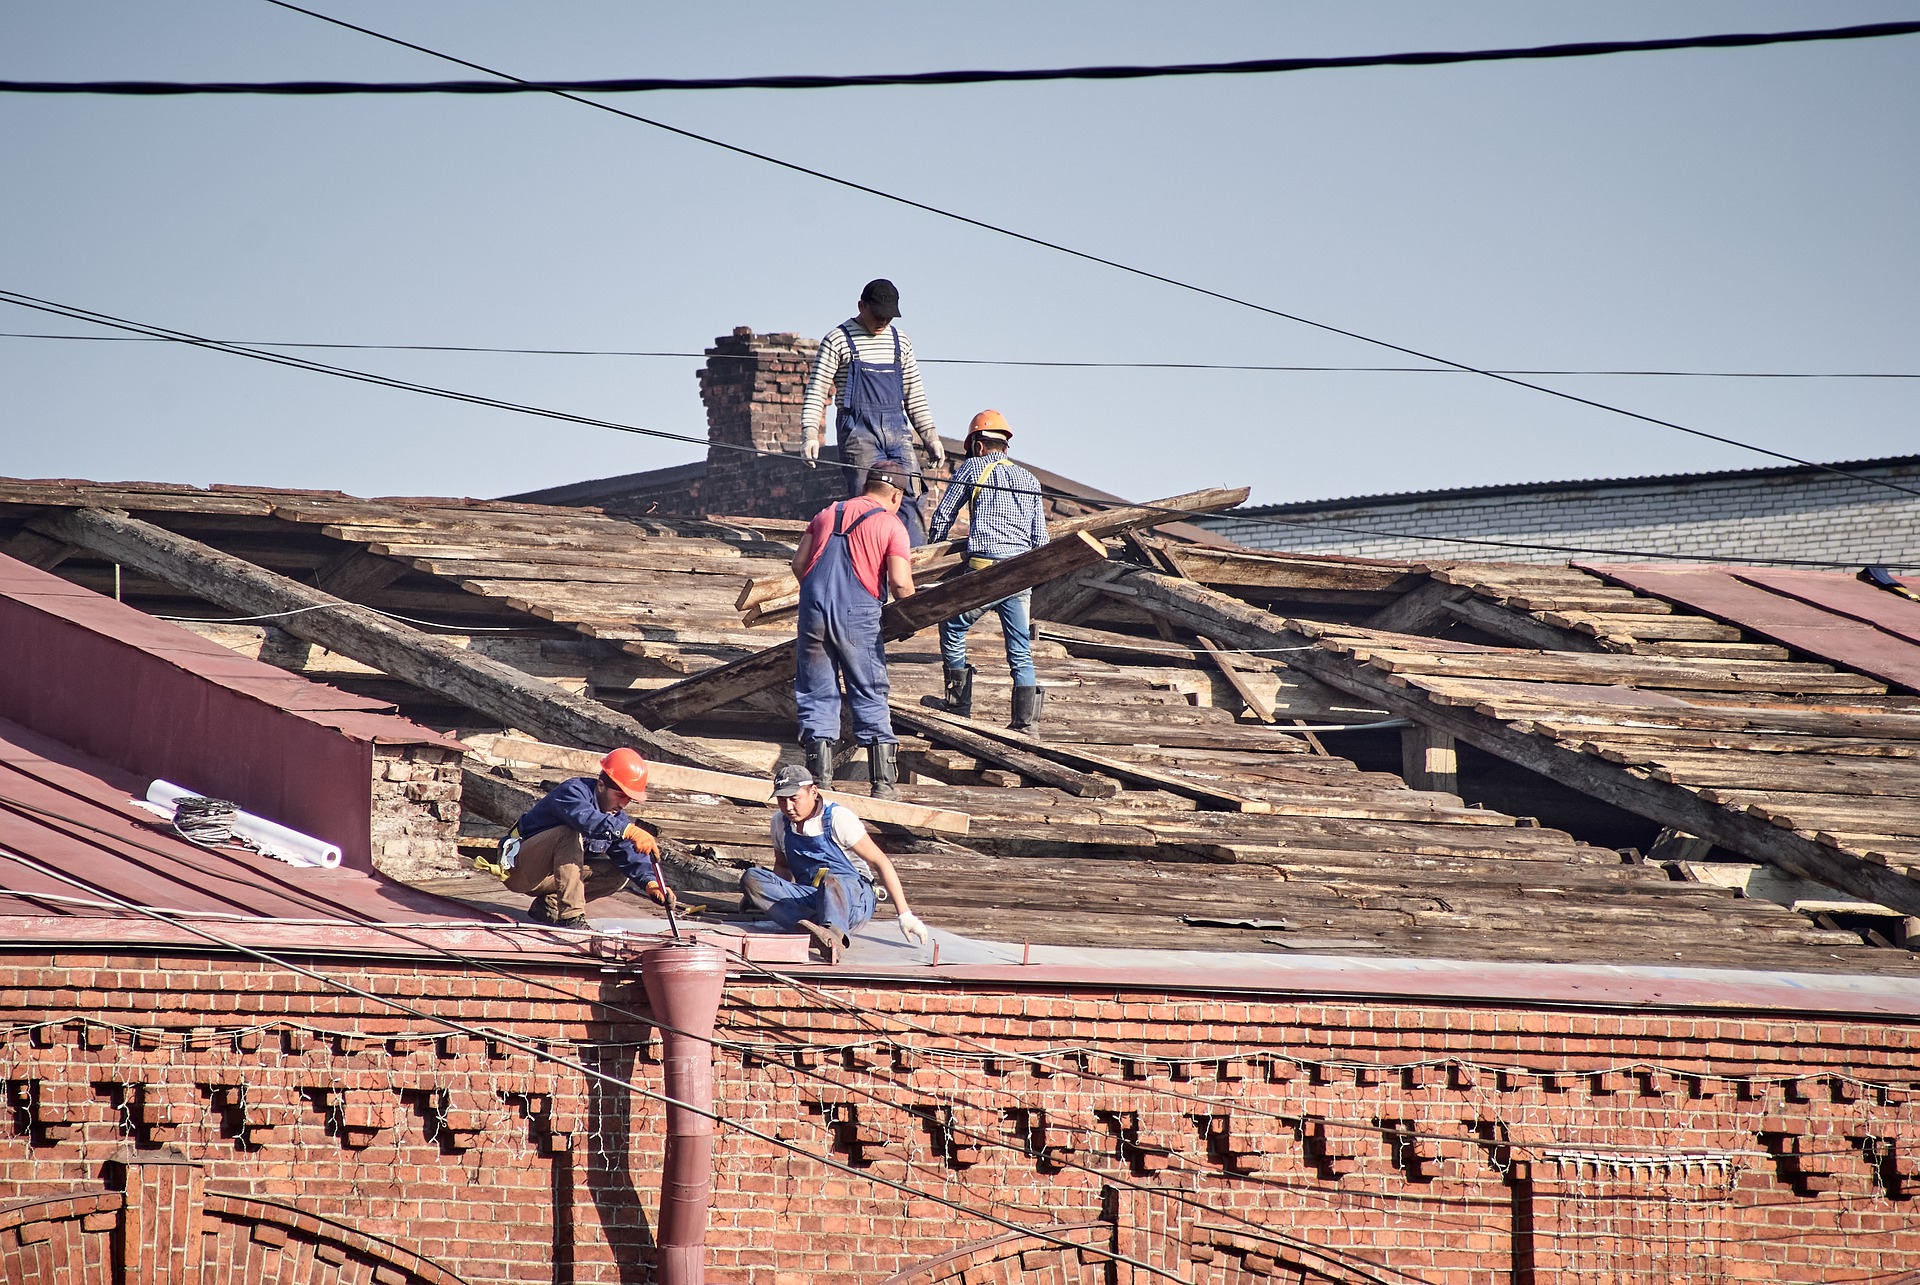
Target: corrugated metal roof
<point x="76" y="815"/>
<point x="1822" y="613"/>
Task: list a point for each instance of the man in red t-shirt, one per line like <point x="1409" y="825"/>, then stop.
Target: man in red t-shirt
<point x="850" y="553"/>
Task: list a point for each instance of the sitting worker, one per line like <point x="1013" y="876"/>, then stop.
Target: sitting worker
<point x="578" y="844"/>
<point x="823" y="868"/>
<point x="1004" y="519"/>
<point x="847" y="552"/>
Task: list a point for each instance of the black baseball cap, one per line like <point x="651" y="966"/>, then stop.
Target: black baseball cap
<point x="882" y="297"/>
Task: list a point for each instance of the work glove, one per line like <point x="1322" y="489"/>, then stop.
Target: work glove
<point x="936" y="454"/>
<point x="645" y="843"/>
<point x="653" y="890"/>
<point x="912" y="929"/>
<point x="810" y="450"/>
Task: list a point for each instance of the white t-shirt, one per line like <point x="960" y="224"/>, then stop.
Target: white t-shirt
<point x="847" y="830"/>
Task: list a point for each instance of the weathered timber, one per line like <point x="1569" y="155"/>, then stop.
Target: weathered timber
<point x="903" y="618"/>
<point x="1208" y="610"/>
<point x="930" y="558"/>
<point x="960" y="734"/>
<point x="433" y="664"/>
<point x="745" y="789"/>
<point x="938" y="724"/>
<point x="1429" y="760"/>
<point x="1518" y="627"/>
<point x="37" y="550"/>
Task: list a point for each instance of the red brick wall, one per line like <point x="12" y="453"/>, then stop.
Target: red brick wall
<point x="1222" y="1139"/>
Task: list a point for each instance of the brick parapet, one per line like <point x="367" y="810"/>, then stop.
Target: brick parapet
<point x="1448" y="1140"/>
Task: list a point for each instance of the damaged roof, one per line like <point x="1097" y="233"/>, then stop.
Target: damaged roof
<point x="1170" y="806"/>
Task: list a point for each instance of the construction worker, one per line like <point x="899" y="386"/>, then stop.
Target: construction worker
<point x="577" y="844"/>
<point x="823" y="872"/>
<point x="1004" y="519"/>
<point x="879" y="395"/>
<point x="851" y="553"/>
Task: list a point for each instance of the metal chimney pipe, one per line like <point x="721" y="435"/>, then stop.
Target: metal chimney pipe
<point x="684" y="982"/>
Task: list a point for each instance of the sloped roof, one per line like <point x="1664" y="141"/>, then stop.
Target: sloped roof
<point x="1341" y="860"/>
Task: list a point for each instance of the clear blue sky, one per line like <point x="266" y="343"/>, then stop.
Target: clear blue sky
<point x="1719" y="210"/>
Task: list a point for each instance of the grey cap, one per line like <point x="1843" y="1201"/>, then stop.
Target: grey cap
<point x="790" y="780"/>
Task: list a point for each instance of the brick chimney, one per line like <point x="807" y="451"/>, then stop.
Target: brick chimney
<point x="753" y="386"/>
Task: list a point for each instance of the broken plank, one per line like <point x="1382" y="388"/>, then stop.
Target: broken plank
<point x="959" y="734"/>
<point x="434" y="664"/>
<point x="937" y="723"/>
<point x="745" y="789"/>
<point x="902" y="618"/>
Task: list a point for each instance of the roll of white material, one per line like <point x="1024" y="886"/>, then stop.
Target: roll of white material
<point x="275" y="840"/>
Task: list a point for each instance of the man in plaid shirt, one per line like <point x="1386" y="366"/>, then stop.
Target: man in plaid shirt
<point x="1004" y="519"/>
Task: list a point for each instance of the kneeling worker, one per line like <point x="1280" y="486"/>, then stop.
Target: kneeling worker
<point x="1004" y="520"/>
<point x="578" y="844"/>
<point x="823" y="868"/>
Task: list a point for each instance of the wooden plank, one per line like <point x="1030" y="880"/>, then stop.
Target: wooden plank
<point x="1209" y="610"/>
<point x="744" y="789"/>
<point x="1100" y="524"/>
<point x="962" y="736"/>
<point x="1256" y="706"/>
<point x="938" y="723"/>
<point x="433" y="664"/>
<point x="902" y="618"/>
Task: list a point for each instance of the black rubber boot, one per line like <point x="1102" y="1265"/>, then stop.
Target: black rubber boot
<point x="883" y="768"/>
<point x="960" y="691"/>
<point x="820" y="762"/>
<point x="1027" y="702"/>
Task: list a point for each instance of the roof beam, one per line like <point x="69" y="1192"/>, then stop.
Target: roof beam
<point x="903" y="618"/>
<point x="433" y="664"/>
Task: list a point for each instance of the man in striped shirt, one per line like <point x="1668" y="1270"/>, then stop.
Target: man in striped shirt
<point x="1004" y="519"/>
<point x="866" y="365"/>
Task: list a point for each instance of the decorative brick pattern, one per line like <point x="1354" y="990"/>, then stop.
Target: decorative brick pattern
<point x="1224" y="1139"/>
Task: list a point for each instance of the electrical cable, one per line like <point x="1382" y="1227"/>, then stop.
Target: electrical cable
<point x="1253" y="66"/>
<point x="77" y="313"/>
<point x="1089" y="257"/>
<point x="987" y="361"/>
<point x="543" y="1054"/>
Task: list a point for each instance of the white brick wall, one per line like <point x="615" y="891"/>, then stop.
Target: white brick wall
<point x="1806" y="516"/>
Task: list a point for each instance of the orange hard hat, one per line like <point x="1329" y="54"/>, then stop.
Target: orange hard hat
<point x="990" y="422"/>
<point x="626" y="769"/>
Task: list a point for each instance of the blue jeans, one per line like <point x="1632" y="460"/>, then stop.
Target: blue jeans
<point x="1016" y="623"/>
<point x="839" y="903"/>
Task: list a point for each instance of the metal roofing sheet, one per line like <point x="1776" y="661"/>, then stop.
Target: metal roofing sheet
<point x="1824" y="614"/>
<point x="373" y="720"/>
<point x="75" y="815"/>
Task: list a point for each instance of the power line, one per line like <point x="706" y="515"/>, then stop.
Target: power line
<point x="319" y="367"/>
<point x="547" y="1055"/>
<point x="990" y="361"/>
<point x="1254" y="66"/>
<point x="1089" y="257"/>
<point x="75" y="313"/>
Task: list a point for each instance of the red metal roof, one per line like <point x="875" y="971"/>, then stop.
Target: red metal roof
<point x="1827" y="614"/>
<point x="76" y="815"/>
<point x="359" y="717"/>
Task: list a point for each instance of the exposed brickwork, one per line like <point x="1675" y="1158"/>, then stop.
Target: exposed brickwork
<point x="416" y="810"/>
<point x="1226" y="1139"/>
<point x="1785" y="515"/>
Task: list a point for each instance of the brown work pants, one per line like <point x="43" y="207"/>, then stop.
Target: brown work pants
<point x="552" y="865"/>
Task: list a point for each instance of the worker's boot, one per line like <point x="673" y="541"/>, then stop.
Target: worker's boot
<point x="960" y="691"/>
<point x="883" y="768"/>
<point x="1026" y="711"/>
<point x="819" y="753"/>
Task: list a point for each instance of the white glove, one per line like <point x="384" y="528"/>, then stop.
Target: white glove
<point x="810" y="450"/>
<point x="912" y="929"/>
<point x="936" y="454"/>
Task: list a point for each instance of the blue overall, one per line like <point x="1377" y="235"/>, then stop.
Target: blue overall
<point x="826" y="887"/>
<point x="872" y="429"/>
<point x="840" y="642"/>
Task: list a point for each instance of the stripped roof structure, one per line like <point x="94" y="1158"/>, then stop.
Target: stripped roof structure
<point x="1153" y="816"/>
